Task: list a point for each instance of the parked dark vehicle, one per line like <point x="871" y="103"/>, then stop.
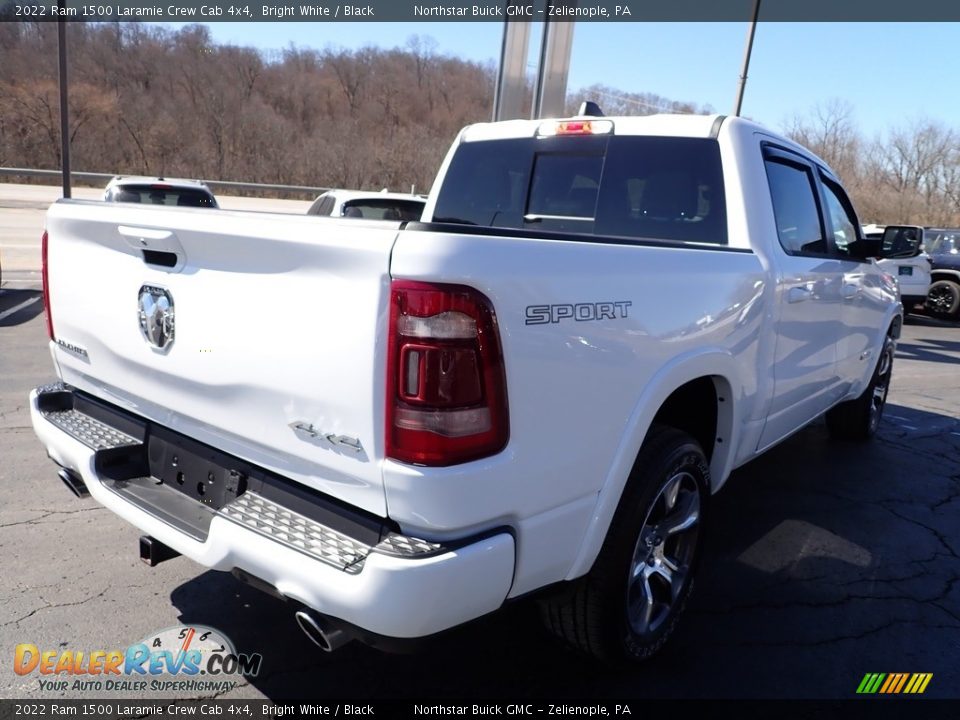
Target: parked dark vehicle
<point x="943" y="246"/>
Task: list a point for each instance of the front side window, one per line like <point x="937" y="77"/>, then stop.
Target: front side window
<point x="944" y="243"/>
<point x="842" y="219"/>
<point x="795" y="208"/>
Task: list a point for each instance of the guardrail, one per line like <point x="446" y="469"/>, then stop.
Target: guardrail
<point x="106" y="177"/>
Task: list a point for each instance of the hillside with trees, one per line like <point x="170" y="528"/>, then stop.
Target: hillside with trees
<point x="147" y="100"/>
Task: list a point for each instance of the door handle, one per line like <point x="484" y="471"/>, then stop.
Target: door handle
<point x="849" y="291"/>
<point x="156" y="246"/>
<point x="799" y="294"/>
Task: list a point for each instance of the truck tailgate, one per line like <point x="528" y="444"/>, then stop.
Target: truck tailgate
<point x="277" y="350"/>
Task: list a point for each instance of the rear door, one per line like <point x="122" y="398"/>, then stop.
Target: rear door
<point x="271" y="346"/>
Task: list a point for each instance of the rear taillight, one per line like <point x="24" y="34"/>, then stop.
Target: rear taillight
<point x="46" y="285"/>
<point x="446" y="388"/>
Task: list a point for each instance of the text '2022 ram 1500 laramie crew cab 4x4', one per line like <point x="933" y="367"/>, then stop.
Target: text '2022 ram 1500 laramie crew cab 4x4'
<point x="536" y="388"/>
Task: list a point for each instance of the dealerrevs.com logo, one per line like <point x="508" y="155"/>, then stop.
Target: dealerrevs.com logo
<point x="181" y="658"/>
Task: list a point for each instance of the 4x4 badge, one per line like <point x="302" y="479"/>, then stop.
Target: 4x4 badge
<point x="307" y="431"/>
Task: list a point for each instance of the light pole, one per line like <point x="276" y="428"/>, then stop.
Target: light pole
<point x="741" y="86"/>
<point x="64" y="115"/>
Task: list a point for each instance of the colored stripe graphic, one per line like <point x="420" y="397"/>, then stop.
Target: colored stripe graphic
<point x="891" y="678"/>
<point x="903" y="681"/>
<point x="875" y="685"/>
<point x="894" y="683"/>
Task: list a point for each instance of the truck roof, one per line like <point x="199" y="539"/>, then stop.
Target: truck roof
<point x="665" y="125"/>
<point x="661" y="125"/>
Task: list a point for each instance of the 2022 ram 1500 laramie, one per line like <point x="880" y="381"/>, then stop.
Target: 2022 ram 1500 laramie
<point x="536" y="388"/>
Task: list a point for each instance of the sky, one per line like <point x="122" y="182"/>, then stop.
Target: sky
<point x="891" y="74"/>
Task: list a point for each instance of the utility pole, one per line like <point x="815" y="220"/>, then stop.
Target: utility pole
<point x="741" y="86"/>
<point x="64" y="115"/>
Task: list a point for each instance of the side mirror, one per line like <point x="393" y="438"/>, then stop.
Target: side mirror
<point x="900" y="241"/>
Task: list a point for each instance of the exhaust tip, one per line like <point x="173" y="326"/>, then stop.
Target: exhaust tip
<point x="321" y="632"/>
<point x="73" y="482"/>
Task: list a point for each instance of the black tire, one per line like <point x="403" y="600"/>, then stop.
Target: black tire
<point x="603" y="614"/>
<point x="943" y="298"/>
<point x="859" y="418"/>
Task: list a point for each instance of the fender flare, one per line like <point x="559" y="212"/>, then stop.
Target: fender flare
<point x="715" y="363"/>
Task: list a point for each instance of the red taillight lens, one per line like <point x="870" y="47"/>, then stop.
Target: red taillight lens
<point x="446" y="388"/>
<point x="46" y="285"/>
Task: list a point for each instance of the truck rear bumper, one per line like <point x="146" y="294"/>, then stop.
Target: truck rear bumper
<point x="380" y="581"/>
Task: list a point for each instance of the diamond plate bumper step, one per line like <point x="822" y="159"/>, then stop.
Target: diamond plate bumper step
<point x="253" y="498"/>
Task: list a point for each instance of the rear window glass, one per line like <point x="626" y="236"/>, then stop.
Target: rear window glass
<point x="383" y="209"/>
<point x="633" y="187"/>
<point x="151" y="195"/>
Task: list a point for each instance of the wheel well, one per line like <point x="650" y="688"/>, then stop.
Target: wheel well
<point x="895" y="328"/>
<point x="945" y="275"/>
<point x="693" y="408"/>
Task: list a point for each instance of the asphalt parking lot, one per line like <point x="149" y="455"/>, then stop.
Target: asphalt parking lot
<point x="824" y="561"/>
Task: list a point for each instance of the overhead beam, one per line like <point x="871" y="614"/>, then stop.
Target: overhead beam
<point x="510" y="101"/>
<point x="550" y="89"/>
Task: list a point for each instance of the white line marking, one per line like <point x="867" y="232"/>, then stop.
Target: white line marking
<point x="16" y="308"/>
<point x="908" y="427"/>
<point x="957" y="434"/>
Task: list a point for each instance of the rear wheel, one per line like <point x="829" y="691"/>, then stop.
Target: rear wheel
<point x="943" y="298"/>
<point x="858" y="419"/>
<point x="631" y="600"/>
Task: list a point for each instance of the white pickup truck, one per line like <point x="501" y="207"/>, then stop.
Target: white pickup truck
<point x="535" y="390"/>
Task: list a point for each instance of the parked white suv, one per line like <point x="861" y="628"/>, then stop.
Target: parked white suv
<point x="368" y="205"/>
<point x="159" y="191"/>
<point x="912" y="273"/>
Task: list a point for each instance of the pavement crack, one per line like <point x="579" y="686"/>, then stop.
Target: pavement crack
<point x="48" y="606"/>
<point x="941" y="538"/>
<point x="49" y="513"/>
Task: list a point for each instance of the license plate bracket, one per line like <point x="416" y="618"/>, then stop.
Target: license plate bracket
<point x="193" y="469"/>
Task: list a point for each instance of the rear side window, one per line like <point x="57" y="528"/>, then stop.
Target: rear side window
<point x="795" y="207"/>
<point x="322" y="206"/>
<point x="632" y="187"/>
